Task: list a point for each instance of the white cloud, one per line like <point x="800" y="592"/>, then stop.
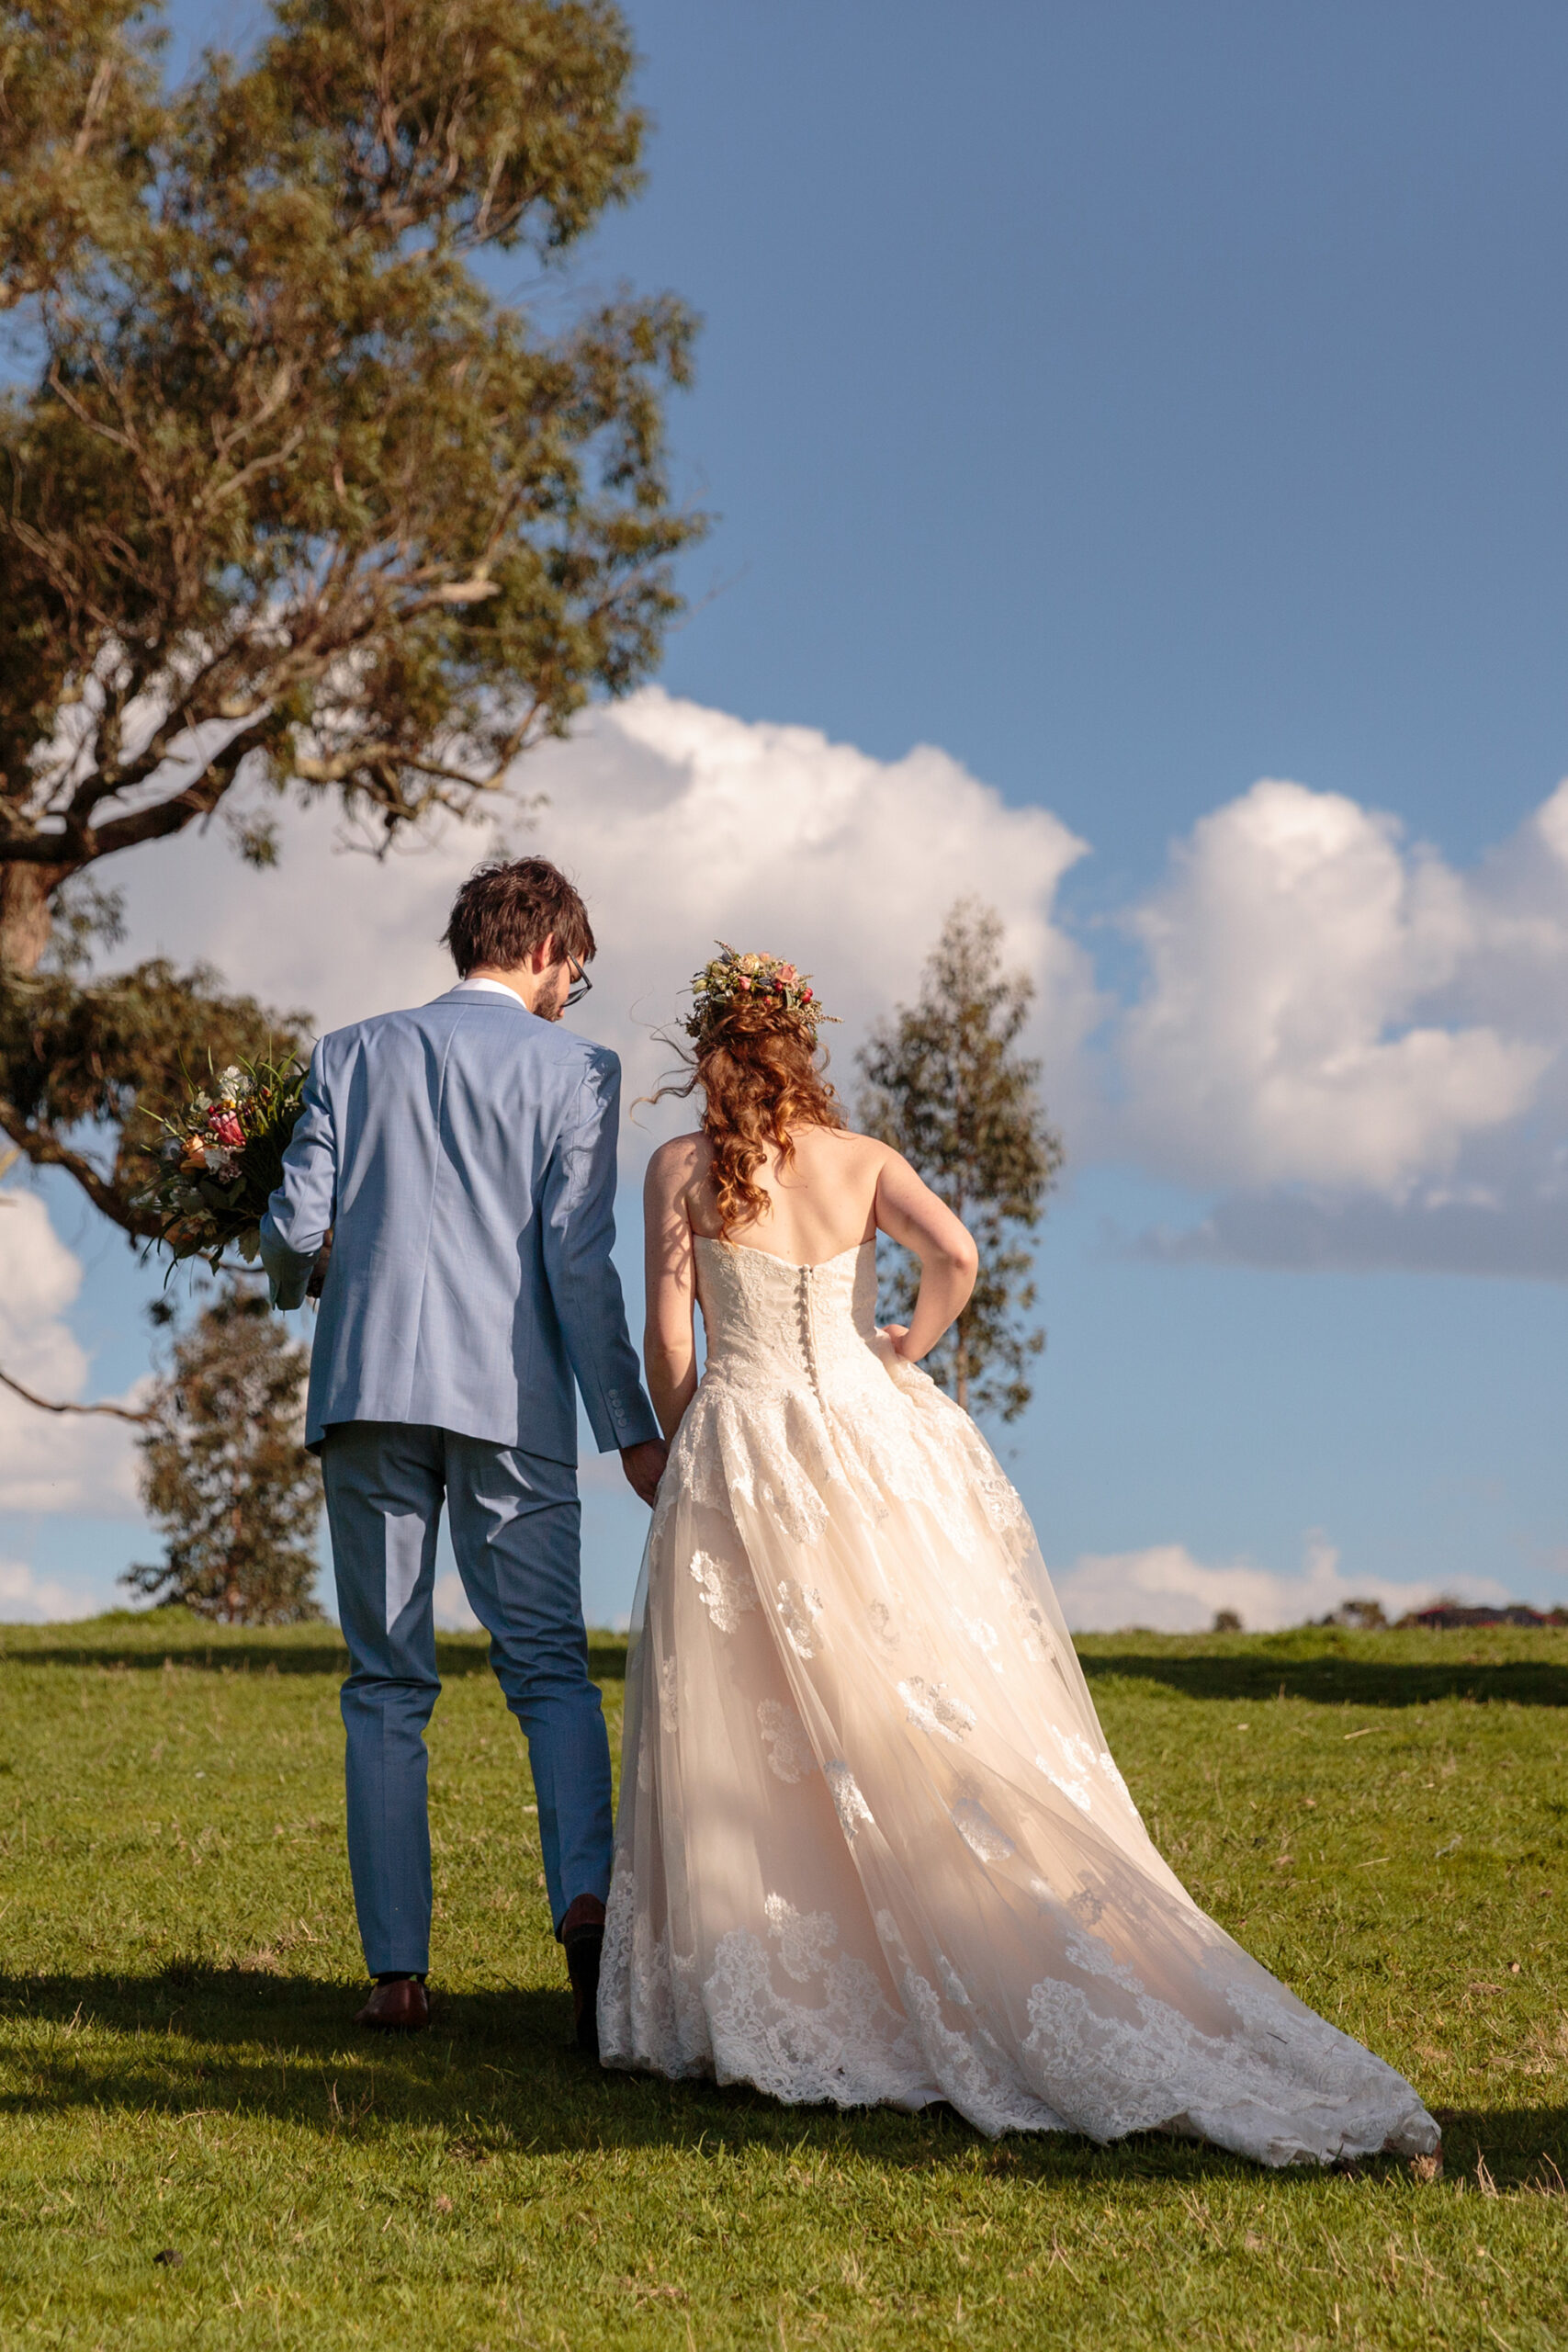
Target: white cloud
<point x="450" y="1603"/>
<point x="681" y="825"/>
<point x="50" y="1461"/>
<point x="28" y="1598"/>
<point x="1166" y="1589"/>
<point x="1286" y="1036"/>
<point x="1356" y="1046"/>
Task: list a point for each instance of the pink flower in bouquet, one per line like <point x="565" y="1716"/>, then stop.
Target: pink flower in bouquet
<point x="226" y="1128"/>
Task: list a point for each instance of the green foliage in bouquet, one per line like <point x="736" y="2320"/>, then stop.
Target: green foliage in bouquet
<point x="222" y="1159"/>
<point x="94" y="1068"/>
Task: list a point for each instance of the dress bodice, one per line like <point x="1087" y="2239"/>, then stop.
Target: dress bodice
<point x="768" y="1320"/>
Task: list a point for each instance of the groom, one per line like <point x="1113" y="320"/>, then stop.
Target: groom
<point x="462" y="1158"/>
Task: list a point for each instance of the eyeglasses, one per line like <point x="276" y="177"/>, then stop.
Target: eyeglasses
<point x="581" y="983"/>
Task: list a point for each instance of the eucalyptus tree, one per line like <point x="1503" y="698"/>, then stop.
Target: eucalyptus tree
<point x="225" y="1475"/>
<point x="288" y="499"/>
<point x="944" y="1084"/>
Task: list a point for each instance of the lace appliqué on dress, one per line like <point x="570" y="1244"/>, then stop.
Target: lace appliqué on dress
<point x="980" y="1833"/>
<point x="806" y="1939"/>
<point x="800" y="1607"/>
<point x="727" y="1592"/>
<point x="852" y="2047"/>
<point x="927" y="1703"/>
<point x="650" y="2012"/>
<point x="880" y="1619"/>
<point x="979" y="2083"/>
<point x="852" y="1809"/>
<point x="1313" y="2097"/>
<point x="789" y="1749"/>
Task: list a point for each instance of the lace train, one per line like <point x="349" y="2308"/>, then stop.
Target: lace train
<point x="871" y="1846"/>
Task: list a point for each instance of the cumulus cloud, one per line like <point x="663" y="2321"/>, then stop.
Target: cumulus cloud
<point x="450" y="1604"/>
<point x="49" y="1462"/>
<point x="1164" y="1588"/>
<point x="1353" y="1048"/>
<point x="1284" y="1036"/>
<point x="28" y="1598"/>
<point x="682" y="825"/>
<point x="1359" y="1048"/>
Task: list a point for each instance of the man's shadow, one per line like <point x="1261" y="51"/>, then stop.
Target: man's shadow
<point x="498" y="2071"/>
<point x="254" y="1653"/>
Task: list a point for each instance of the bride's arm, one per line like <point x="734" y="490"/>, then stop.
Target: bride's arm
<point x="912" y="1213"/>
<point x="668" y="1345"/>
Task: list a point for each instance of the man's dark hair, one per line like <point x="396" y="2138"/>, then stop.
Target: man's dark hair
<point x="503" y="913"/>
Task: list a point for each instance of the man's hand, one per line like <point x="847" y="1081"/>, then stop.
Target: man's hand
<point x="317" y="1281"/>
<point x="643" y="1466"/>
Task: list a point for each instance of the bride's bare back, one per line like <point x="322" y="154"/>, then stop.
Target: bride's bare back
<point x="839" y="1190"/>
<point x="823" y="1203"/>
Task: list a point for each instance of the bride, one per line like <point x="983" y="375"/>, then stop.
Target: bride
<point x="872" y="1847"/>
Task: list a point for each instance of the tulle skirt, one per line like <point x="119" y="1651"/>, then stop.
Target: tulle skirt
<point x="871" y="1846"/>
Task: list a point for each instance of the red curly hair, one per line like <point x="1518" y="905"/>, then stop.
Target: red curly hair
<point x="763" y="1074"/>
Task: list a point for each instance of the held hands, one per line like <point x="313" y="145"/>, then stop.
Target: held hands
<point x="643" y="1466"/>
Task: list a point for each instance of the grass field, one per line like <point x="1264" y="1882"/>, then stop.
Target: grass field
<point x="1383" y="1818"/>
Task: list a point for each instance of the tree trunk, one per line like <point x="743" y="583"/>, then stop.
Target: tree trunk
<point x="26" y="919"/>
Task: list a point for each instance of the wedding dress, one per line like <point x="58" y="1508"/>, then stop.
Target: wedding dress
<point x="871" y="1846"/>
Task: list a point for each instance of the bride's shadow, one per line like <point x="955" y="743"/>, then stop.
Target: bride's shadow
<point x="497" y="2071"/>
<point x="1337" y="1681"/>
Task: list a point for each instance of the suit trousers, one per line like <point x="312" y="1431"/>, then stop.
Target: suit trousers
<point x="515" y="1523"/>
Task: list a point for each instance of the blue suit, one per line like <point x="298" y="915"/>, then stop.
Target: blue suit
<point x="462" y="1155"/>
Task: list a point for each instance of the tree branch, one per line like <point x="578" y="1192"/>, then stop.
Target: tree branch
<point x="44" y="1148"/>
<point x="45" y="1404"/>
<point x="199" y="798"/>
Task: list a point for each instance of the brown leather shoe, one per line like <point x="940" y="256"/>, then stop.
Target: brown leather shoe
<point x="402" y="2007"/>
<point x="581" y="1932"/>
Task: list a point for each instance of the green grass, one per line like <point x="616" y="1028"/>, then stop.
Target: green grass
<point x="1383" y="1819"/>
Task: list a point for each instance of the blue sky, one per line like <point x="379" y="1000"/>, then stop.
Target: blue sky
<point x="1133" y="400"/>
<point x="1133" y="403"/>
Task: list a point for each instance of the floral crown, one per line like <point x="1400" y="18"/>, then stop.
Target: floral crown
<point x="728" y="978"/>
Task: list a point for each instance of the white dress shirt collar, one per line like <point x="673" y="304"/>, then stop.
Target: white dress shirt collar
<point x="497" y="988"/>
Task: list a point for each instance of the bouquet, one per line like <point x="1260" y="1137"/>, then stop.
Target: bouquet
<point x="222" y="1160"/>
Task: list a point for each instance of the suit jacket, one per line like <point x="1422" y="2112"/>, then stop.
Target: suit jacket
<point x="464" y="1156"/>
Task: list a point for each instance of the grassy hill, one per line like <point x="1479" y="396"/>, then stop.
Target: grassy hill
<point x="1383" y="1818"/>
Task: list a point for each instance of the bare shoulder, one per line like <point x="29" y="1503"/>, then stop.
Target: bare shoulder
<point x="843" y="1150"/>
<point x="682" y="1161"/>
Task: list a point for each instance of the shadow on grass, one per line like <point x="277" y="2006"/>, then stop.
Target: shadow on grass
<point x="256" y="1653"/>
<point x="1339" y="1681"/>
<point x="496" y="2073"/>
